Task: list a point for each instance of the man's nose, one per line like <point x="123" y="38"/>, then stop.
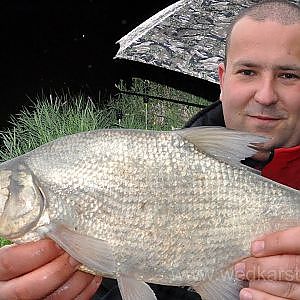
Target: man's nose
<point x="266" y="92"/>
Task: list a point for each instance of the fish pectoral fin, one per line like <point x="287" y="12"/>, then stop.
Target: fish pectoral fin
<point x="133" y="289"/>
<point x="226" y="144"/>
<point x="223" y="287"/>
<point x="94" y="253"/>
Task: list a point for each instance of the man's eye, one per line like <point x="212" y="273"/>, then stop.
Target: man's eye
<point x="246" y="72"/>
<point x="289" y="76"/>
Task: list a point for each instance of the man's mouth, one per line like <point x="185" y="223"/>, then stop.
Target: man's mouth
<point x="265" y="118"/>
<point x="264" y="121"/>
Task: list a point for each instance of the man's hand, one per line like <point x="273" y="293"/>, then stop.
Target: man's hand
<point x="40" y="270"/>
<point x="274" y="269"/>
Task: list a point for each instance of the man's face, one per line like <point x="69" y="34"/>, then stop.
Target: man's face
<point x="260" y="86"/>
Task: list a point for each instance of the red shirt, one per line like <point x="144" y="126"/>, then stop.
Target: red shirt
<point x="284" y="167"/>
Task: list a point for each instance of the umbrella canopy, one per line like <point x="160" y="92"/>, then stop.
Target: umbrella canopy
<point x="187" y="36"/>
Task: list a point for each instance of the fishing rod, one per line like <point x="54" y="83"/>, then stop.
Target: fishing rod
<point x="147" y="96"/>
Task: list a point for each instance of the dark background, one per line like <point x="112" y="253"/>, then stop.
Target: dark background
<point x="54" y="45"/>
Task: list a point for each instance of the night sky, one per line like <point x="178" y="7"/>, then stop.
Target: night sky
<point x="53" y="45"/>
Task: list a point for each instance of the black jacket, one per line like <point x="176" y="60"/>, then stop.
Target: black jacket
<point x="210" y="116"/>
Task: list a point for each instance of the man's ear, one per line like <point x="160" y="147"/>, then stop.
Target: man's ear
<point x="221" y="72"/>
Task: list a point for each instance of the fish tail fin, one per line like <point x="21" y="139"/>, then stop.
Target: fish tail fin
<point x="222" y="287"/>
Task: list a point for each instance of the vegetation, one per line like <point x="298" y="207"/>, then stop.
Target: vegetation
<point x="150" y="113"/>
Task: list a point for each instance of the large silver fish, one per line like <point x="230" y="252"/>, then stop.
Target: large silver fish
<point x="172" y="208"/>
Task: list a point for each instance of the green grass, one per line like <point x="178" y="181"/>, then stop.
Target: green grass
<point x="49" y="119"/>
<point x="57" y="115"/>
<point x="4" y="242"/>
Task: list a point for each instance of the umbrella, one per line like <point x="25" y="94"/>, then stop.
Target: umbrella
<point x="187" y="36"/>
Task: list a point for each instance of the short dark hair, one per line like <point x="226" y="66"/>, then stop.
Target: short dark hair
<point x="281" y="11"/>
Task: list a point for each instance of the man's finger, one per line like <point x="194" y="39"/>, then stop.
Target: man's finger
<point x="250" y="294"/>
<point x="72" y="287"/>
<point x="90" y="290"/>
<point x="40" y="282"/>
<point x="288" y="290"/>
<point x="279" y="267"/>
<point x="281" y="242"/>
<point x="21" y="259"/>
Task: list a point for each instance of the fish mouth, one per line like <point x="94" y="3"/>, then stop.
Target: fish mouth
<point x="4" y="191"/>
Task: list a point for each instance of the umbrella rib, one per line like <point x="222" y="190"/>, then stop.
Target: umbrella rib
<point x="133" y="35"/>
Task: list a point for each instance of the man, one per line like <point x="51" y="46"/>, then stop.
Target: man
<point x="260" y="93"/>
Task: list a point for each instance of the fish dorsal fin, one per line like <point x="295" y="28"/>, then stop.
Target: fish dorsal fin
<point x="226" y="144"/>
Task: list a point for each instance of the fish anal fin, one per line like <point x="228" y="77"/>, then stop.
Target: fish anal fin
<point x="133" y="289"/>
<point x="223" y="287"/>
<point x="93" y="253"/>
